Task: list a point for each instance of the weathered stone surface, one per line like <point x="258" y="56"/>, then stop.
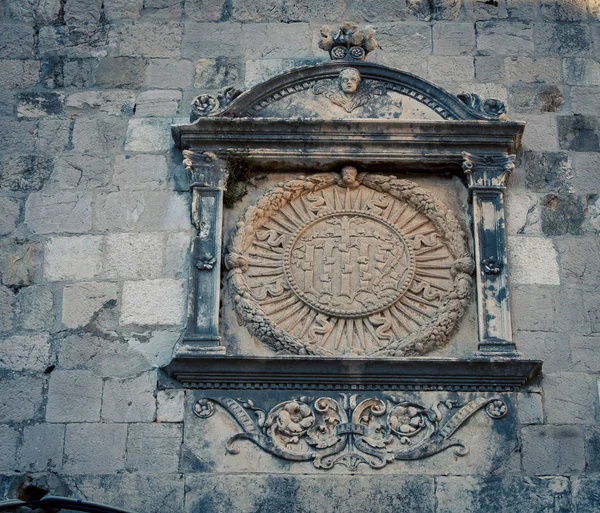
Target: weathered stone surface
<point x="120" y="9"/>
<point x="569" y="398"/>
<point x="130" y="400"/>
<point x="287" y="493"/>
<point x="551" y="450"/>
<point x="140" y="172"/>
<point x="80" y="172"/>
<point x="157" y="103"/>
<point x="592" y="214"/>
<point x="530" y="408"/>
<point x="548" y="172"/>
<point x="132" y="256"/>
<point x="54" y="135"/>
<point x="451" y="38"/>
<point x="208" y="10"/>
<point x="169" y="74"/>
<point x="153" y="302"/>
<point x="562" y="214"/>
<point x="178" y="248"/>
<point x="94" y="448"/>
<point x="17" y="137"/>
<point x="25" y="353"/>
<point x="563" y="10"/>
<point x="19" y="262"/>
<point x="20" y="397"/>
<point x="489" y="68"/>
<point x="258" y="71"/>
<point x="154" y="446"/>
<point x="584" y="100"/>
<point x="157" y="348"/>
<point x="72" y="258"/>
<point x="450" y="69"/>
<point x="496" y="37"/>
<point x="40" y="104"/>
<point x="552" y="348"/>
<point x="83" y="11"/>
<point x="586" y="493"/>
<point x="579" y="133"/>
<point x="74" y="396"/>
<point x="504" y="494"/>
<point x="147" y="211"/>
<point x="34" y="12"/>
<point x="522" y="214"/>
<point x="61" y="72"/>
<point x="144" y="39"/>
<point x="562" y="39"/>
<point x="403" y="41"/>
<point x="203" y="40"/>
<point x="10" y="210"/>
<point x="16" y="41"/>
<point x="579" y="260"/>
<point x="528" y="69"/>
<point x="98" y="136"/>
<point x="9" y="439"/>
<point x="120" y="72"/>
<point x="42" y="447"/>
<point x="585" y="353"/>
<point x="69" y="212"/>
<point x="542" y="133"/>
<point x="533" y="309"/>
<point x="170" y="405"/>
<point x="217" y="73"/>
<point x="7" y="309"/>
<point x="82" y="300"/>
<point x="37" y="308"/>
<point x="150" y="135"/>
<point x="15" y="74"/>
<point x="284" y="40"/>
<point x="436" y="10"/>
<point x="294" y="11"/>
<point x="592" y="449"/>
<point x="114" y="103"/>
<point x="580" y="71"/>
<point x="77" y="40"/>
<point x="536" y="98"/>
<point x="533" y="260"/>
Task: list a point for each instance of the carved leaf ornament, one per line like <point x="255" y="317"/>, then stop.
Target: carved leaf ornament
<point x="350" y="265"/>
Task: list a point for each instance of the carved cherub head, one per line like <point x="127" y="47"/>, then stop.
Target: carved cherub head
<point x="349" y="80"/>
<point x="349" y="177"/>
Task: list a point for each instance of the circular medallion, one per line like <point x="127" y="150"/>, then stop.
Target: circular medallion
<point x="348" y="264"/>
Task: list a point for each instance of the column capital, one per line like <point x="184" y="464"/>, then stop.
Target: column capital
<point x="206" y="169"/>
<point x="487" y="171"/>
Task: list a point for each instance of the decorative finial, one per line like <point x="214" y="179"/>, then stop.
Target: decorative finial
<point x="347" y="42"/>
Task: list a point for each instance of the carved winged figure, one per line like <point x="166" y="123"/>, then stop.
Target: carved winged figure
<point x="349" y="91"/>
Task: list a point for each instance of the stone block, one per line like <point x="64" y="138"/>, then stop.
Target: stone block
<point x="16" y="41"/>
<point x="150" y="210"/>
<point x="164" y="9"/>
<point x="591" y="310"/>
<point x="204" y="40"/>
<point x="42" y="448"/>
<point x="67" y="212"/>
<point x="504" y="38"/>
<point x="95" y="448"/>
<point x="533" y="260"/>
<point x="401" y="41"/>
<point x="585" y="353"/>
<point x="17" y="74"/>
<point x="130" y="400"/>
<point x="207" y="10"/>
<point x="548" y="172"/>
<point x="150" y="135"/>
<point x="551" y="450"/>
<point x="98" y="136"/>
<point x="293" y="12"/>
<point x="25" y="353"/>
<point x="580" y="71"/>
<point x="127" y="72"/>
<point x="450" y="69"/>
<point x="562" y="39"/>
<point x="489" y="68"/>
<point x="7" y="309"/>
<point x="62" y="72"/>
<point x="140" y="172"/>
<point x="586" y="493"/>
<point x="17" y="137"/>
<point x="154" y="446"/>
<point x="157" y="103"/>
<point x="217" y="73"/>
<point x="8" y="102"/>
<point x="19" y="262"/>
<point x="563" y="10"/>
<point x="282" y="41"/>
<point x="9" y="438"/>
<point x="439" y="10"/>
<point x="530" y="409"/>
<point x="34" y="12"/>
<point x="542" y="133"/>
<point x="83" y="11"/>
<point x="522" y="214"/>
<point x="176" y="260"/>
<point x="134" y="256"/>
<point x="570" y="310"/>
<point x="249" y="493"/>
<point x="37" y="308"/>
<point x="377" y="11"/>
<point x="536" y="98"/>
<point x="54" y="135"/>
<point x="562" y="214"/>
<point x="533" y="308"/>
<point x="114" y="103"/>
<point x="72" y="258"/>
<point x="20" y="397"/>
<point x="10" y="210"/>
<point x="592" y="449"/>
<point x="452" y="38"/>
<point x="579" y="133"/>
<point x="74" y="41"/>
<point x="40" y="104"/>
<point x="170" y="405"/>
<point x="569" y="398"/>
<point x="82" y="300"/>
<point x="145" y="39"/>
<point x="156" y="349"/>
<point x="153" y="302"/>
<point x="80" y="172"/>
<point x="123" y="9"/>
<point x="585" y="100"/>
<point x="169" y="74"/>
<point x="579" y="260"/>
<point x="592" y="215"/>
<point x="482" y="11"/>
<point x="528" y="69"/>
<point x="74" y="396"/>
<point x="258" y="71"/>
<point x="501" y="494"/>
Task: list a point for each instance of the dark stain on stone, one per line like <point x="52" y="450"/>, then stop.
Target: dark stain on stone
<point x="562" y="215"/>
<point x="551" y="98"/>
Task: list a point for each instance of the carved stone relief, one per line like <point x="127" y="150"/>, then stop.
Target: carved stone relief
<point x="347" y="264"/>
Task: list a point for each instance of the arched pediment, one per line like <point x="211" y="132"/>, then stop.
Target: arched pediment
<point x="380" y="93"/>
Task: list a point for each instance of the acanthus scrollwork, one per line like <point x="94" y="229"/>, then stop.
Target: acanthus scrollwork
<point x="350" y="431"/>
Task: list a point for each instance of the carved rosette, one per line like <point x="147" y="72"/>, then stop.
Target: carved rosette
<point x="367" y="265"/>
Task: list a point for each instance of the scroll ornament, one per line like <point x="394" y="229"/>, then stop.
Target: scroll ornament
<point x="345" y="431"/>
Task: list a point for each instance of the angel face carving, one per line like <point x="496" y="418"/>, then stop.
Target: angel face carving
<point x="349" y="80"/>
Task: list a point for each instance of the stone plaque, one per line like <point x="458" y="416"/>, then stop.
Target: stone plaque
<point x="350" y="265"/>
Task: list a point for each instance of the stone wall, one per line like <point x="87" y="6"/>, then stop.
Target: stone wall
<point x="94" y="218"/>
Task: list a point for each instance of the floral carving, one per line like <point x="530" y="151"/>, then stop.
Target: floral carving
<point x="207" y="105"/>
<point x="347" y="42"/>
<point x="349" y="431"/>
<point x="489" y="109"/>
